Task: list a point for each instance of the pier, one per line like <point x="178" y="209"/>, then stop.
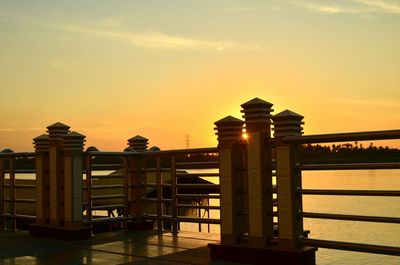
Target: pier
<point x="143" y="195"/>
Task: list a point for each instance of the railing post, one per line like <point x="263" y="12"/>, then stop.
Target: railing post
<point x="135" y="165"/>
<point x="2" y="195"/>
<point x="73" y="190"/>
<point x="229" y="131"/>
<point x="41" y="144"/>
<point x="59" y="185"/>
<point x="288" y="123"/>
<point x="259" y="171"/>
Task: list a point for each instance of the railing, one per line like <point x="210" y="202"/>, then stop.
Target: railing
<point x="15" y="191"/>
<point x="346" y="137"/>
<point x="157" y="185"/>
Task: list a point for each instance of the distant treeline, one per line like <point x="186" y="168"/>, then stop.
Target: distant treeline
<point x="310" y="153"/>
<point x="341" y="153"/>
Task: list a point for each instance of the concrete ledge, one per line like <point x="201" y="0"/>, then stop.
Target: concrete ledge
<point x="141" y="225"/>
<point x="268" y="256"/>
<point x="63" y="233"/>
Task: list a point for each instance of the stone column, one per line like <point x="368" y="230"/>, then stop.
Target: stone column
<point x="56" y="133"/>
<point x="73" y="152"/>
<point x="288" y="123"/>
<point x="259" y="171"/>
<point x="134" y="166"/>
<point x="229" y="132"/>
<point x="41" y="144"/>
<point x="59" y="184"/>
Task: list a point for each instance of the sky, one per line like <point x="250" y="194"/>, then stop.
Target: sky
<point x="164" y="69"/>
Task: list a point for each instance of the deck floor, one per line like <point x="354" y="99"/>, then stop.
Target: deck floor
<point x="120" y="247"/>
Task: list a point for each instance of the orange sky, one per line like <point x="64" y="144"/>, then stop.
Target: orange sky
<point x="164" y="70"/>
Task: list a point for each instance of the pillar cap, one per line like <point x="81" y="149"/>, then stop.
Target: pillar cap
<point x="287" y="123"/>
<point x="137" y="143"/>
<point x="7" y="150"/>
<point x="287" y="115"/>
<point x="229" y="130"/>
<point x="228" y="120"/>
<point x="138" y="138"/>
<point x="92" y="149"/>
<point x="41" y="142"/>
<point x="256" y="102"/>
<point x="58" y="128"/>
<point x="74" y="141"/>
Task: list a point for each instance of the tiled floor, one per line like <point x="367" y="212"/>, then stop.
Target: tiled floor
<point x="122" y="247"/>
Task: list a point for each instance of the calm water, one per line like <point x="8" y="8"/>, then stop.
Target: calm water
<point x="363" y="232"/>
<point x="373" y="233"/>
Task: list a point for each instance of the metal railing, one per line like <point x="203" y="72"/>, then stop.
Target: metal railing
<point x="176" y="185"/>
<point x="347" y="137"/>
<point x="170" y="183"/>
<point x="17" y="199"/>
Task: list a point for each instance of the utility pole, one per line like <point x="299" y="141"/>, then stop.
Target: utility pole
<point x="187" y="139"/>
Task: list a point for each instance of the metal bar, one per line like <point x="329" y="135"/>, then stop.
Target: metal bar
<point x="350" y="166"/>
<point x="199" y="220"/>
<point x="198" y="165"/>
<point x="378" y="219"/>
<point x="108" y="219"/>
<point x="151" y="169"/>
<point x="20" y="200"/>
<point x="18" y="154"/>
<point x="112" y="186"/>
<point x="12" y="195"/>
<point x="208" y="150"/>
<point x="196" y="175"/>
<point x="111" y="196"/>
<point x="21" y="186"/>
<point x="106" y="166"/>
<point x="344" y="137"/>
<point x="351" y="192"/>
<point x="20" y="216"/>
<point x="157" y="217"/>
<point x="199" y="206"/>
<point x="156" y="200"/>
<point x="198" y="186"/>
<point x="112" y="154"/>
<point x="108" y="176"/>
<point x="126" y="188"/>
<point x="89" y="202"/>
<point x="108" y="207"/>
<point x="159" y="196"/>
<point x="22" y="171"/>
<point x="2" y="176"/>
<point x="174" y="210"/>
<point x="197" y="196"/>
<point x="368" y="248"/>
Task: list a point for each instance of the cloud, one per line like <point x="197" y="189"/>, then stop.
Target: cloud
<point x="155" y="39"/>
<point x="381" y="6"/>
<point x="351" y="6"/>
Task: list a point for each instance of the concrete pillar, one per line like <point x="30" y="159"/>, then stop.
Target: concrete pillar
<point x="73" y="151"/>
<point x="229" y="132"/>
<point x="59" y="184"/>
<point x="41" y="144"/>
<point x="134" y="166"/>
<point x="56" y="133"/>
<point x="288" y="123"/>
<point x="259" y="171"/>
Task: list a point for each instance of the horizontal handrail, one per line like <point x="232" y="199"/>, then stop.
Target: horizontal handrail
<point x="351" y="192"/>
<point x="349" y="166"/>
<point x="368" y="248"/>
<point x="18" y="154"/>
<point x="108" y="207"/>
<point x="104" y="197"/>
<point x="343" y="137"/>
<point x="345" y="217"/>
<point x="209" y="207"/>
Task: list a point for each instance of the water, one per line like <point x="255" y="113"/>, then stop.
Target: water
<point x="364" y="232"/>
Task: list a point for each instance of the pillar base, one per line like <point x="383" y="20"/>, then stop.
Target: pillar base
<point x="268" y="256"/>
<point x="59" y="232"/>
<point x="141" y="225"/>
